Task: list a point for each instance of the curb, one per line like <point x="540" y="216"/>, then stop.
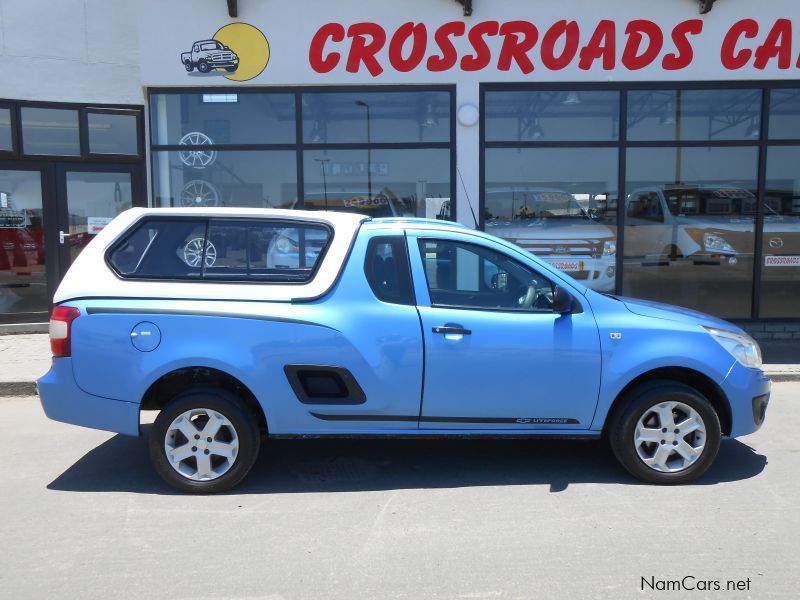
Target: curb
<point x="18" y="388"/>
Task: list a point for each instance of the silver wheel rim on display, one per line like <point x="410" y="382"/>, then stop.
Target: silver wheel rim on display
<point x="199" y="193"/>
<point x="193" y="253"/>
<point x="201" y="444"/>
<point x="197" y="158"/>
<point x="670" y="437"/>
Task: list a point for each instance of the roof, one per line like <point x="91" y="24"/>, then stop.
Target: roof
<point x="90" y="276"/>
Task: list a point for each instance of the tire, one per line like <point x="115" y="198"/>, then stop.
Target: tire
<point x="638" y="428"/>
<point x="190" y="414"/>
<point x="231" y="69"/>
<point x="189" y="66"/>
<point x="203" y="66"/>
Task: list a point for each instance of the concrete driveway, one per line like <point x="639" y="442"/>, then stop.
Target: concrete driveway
<point x="84" y="515"/>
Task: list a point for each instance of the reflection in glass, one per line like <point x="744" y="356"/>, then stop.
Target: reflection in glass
<point x="673" y="115"/>
<point x="244" y="118"/>
<point x="394" y="117"/>
<point x="52" y="131"/>
<point x="558" y="203"/>
<point x="396" y="182"/>
<point x="689" y="227"/>
<point x="784" y="114"/>
<point x="113" y="133"/>
<point x="780" y="273"/>
<point x="195" y="177"/>
<point x="552" y="116"/>
<point x="23" y="282"/>
<point x="93" y="200"/>
<point x="6" y="141"/>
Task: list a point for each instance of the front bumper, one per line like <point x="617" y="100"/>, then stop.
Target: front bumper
<point x="220" y="64"/>
<point x="62" y="400"/>
<point x="748" y="393"/>
<point x="598" y="274"/>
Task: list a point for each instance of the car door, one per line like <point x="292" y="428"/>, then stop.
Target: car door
<point x="496" y="355"/>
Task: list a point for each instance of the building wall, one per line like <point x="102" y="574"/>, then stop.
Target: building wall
<point x="70" y="51"/>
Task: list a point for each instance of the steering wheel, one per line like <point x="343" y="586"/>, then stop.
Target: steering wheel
<point x="529" y="298"/>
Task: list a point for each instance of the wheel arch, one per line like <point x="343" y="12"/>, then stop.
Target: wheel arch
<point x="695" y="379"/>
<point x="179" y="380"/>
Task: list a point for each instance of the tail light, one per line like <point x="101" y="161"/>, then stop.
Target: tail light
<point x="61" y="329"/>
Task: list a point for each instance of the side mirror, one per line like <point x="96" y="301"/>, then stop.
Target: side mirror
<point x="562" y="301"/>
<point x="500" y="281"/>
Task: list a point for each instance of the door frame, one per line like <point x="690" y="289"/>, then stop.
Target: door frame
<point x="49" y="222"/>
<point x="61" y="201"/>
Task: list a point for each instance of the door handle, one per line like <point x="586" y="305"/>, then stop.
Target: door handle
<point x="62" y="236"/>
<point x="452" y="329"/>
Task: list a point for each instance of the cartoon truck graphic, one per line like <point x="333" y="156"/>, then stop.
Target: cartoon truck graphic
<point x="210" y="54"/>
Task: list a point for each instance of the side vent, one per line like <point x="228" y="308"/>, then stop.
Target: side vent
<point x="317" y="384"/>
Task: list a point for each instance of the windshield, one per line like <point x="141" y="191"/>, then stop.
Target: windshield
<point x="713" y="201"/>
<point x="211" y="46"/>
<point x="536" y="205"/>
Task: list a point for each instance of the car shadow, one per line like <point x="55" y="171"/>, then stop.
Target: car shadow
<point x="334" y="465"/>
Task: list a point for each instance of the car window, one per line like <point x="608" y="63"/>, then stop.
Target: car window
<point x="210" y="46"/>
<point x="387" y="269"/>
<point x="645" y="206"/>
<point x="216" y="249"/>
<point x="472" y="276"/>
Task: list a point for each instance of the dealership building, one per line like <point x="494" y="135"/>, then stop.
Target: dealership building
<point x="648" y="148"/>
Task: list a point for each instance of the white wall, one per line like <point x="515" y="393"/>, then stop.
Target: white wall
<point x="70" y="51"/>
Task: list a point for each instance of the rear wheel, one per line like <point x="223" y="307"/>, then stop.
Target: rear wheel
<point x="189" y="66"/>
<point x="204" y="441"/>
<point x="666" y="432"/>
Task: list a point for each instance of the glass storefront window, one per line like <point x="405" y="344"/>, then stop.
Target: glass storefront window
<point x="379" y="183"/>
<point x="689" y="227"/>
<point x="6" y="141"/>
<point x="113" y="133"/>
<point x="218" y="119"/>
<point x="197" y="177"/>
<point x="376" y="117"/>
<point x="23" y="281"/>
<point x="780" y="272"/>
<point x="703" y="115"/>
<point x="784" y="114"/>
<point x="552" y="116"/>
<point x="558" y="203"/>
<point x="50" y="131"/>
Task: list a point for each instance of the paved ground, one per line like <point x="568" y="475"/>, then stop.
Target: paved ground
<point x="83" y="515"/>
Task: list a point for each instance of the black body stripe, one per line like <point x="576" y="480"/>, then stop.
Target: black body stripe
<point x="412" y="418"/>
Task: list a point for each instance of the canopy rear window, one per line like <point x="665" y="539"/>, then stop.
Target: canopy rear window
<point x="236" y="250"/>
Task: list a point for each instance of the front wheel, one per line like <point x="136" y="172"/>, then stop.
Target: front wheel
<point x="666" y="432"/>
<point x="204" y="441"/>
<point x="203" y="66"/>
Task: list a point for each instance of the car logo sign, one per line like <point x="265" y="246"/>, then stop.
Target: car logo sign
<point x="776" y="242"/>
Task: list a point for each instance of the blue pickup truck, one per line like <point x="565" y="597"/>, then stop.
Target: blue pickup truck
<point x="238" y="325"/>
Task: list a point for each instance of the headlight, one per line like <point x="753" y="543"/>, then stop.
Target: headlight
<point x="609" y="248"/>
<point x="742" y="347"/>
<point x="285" y="245"/>
<point x="714" y="243"/>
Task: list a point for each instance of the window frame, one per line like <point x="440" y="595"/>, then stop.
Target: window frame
<point x="420" y="240"/>
<point x="402" y="243"/>
<point x="207" y="220"/>
<point x="84" y="156"/>
<point x="622" y="144"/>
<point x="300" y="146"/>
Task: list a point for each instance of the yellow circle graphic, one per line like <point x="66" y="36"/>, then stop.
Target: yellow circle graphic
<point x="250" y="45"/>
